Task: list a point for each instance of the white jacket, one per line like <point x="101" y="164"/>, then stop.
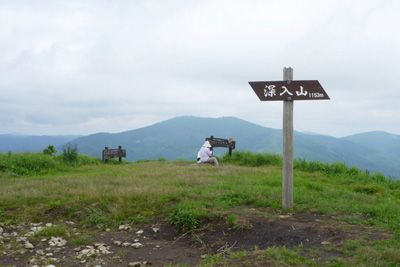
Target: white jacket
<point x="204" y="154"/>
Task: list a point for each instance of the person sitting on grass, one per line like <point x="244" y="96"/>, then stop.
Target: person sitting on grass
<point x="205" y="154"/>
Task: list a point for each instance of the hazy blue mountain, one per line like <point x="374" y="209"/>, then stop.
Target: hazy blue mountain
<point x="385" y="143"/>
<point x="180" y="138"/>
<point x="385" y="147"/>
<point x="27" y="143"/>
<point x="330" y="149"/>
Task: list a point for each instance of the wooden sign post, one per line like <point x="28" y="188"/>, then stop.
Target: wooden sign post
<point x="288" y="91"/>
<point x="287" y="168"/>
<point x="220" y="142"/>
<point x="112" y="153"/>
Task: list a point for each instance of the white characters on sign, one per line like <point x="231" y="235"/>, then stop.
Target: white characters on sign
<point x="301" y="92"/>
<point x="316" y="95"/>
<point x="269" y="91"/>
<point x="285" y="91"/>
<point x="273" y="91"/>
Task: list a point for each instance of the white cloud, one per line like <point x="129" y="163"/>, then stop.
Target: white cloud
<point x="90" y="66"/>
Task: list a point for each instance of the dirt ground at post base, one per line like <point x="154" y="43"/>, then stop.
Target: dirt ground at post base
<point x="161" y="244"/>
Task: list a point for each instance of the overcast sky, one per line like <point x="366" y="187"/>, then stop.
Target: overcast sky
<point x="80" y="67"/>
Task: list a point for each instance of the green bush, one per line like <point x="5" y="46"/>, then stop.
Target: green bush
<point x="70" y="153"/>
<point x="183" y="218"/>
<point x="50" y="150"/>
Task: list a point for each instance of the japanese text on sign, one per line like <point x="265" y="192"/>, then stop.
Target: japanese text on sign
<point x="271" y="91"/>
<point x="295" y="90"/>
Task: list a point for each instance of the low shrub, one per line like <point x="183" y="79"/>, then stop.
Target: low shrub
<point x="50" y="150"/>
<point x="70" y="154"/>
<point x="184" y="218"/>
<point x="95" y="217"/>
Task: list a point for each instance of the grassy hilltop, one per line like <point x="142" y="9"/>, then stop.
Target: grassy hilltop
<point x="181" y="137"/>
<point x="203" y="215"/>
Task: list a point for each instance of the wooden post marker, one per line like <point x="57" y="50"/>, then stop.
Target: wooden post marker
<point x="287" y="169"/>
<point x="112" y="153"/>
<point x="288" y="91"/>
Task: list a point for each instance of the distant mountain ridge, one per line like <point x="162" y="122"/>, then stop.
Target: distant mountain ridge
<point x="32" y="143"/>
<point x="181" y="137"/>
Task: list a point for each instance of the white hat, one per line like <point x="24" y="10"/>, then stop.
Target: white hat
<point x="207" y="144"/>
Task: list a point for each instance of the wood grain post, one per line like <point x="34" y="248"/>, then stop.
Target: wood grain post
<point x="119" y="152"/>
<point x="287" y="169"/>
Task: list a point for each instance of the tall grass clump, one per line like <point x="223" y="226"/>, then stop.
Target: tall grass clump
<point x="245" y="158"/>
<point x="340" y="169"/>
<point x="184" y="218"/>
<point x="327" y="168"/>
<point x="70" y="154"/>
<point x="21" y="164"/>
<point x="86" y="160"/>
<point x="28" y="163"/>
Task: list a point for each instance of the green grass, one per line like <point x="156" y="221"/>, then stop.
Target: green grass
<point x="273" y="256"/>
<point x="109" y="194"/>
<point x="81" y="240"/>
<point x="186" y="195"/>
<point x="23" y="164"/>
<point x="56" y="230"/>
<point x="245" y="158"/>
<point x="184" y="218"/>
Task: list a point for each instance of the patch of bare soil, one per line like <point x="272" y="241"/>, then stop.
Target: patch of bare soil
<point x="161" y="244"/>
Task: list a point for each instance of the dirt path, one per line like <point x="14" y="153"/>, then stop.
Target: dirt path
<point x="161" y="244"/>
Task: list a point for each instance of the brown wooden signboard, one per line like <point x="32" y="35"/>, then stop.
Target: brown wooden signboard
<point x="293" y="90"/>
<point x="109" y="153"/>
<point x="221" y="142"/>
<point x="287" y="91"/>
